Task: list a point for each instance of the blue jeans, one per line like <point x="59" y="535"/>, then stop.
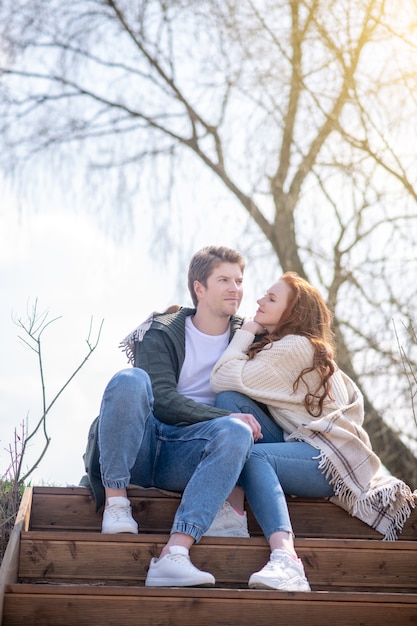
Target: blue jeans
<point x="236" y="402"/>
<point x="201" y="460"/>
<point x="275" y="468"/>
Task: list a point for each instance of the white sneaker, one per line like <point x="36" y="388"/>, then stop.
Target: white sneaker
<point x="117" y="517"/>
<point x="282" y="572"/>
<point x="176" y="570"/>
<point x="228" y="523"/>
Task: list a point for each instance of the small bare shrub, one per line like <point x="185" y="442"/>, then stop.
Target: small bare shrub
<point x="13" y="482"/>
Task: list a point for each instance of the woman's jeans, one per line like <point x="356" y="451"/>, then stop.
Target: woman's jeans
<point x="236" y="402"/>
<point x="201" y="460"/>
<point x="276" y="469"/>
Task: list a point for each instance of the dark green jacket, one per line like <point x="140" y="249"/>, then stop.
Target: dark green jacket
<point x="161" y="353"/>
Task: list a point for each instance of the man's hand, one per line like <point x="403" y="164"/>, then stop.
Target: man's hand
<point x="249" y="420"/>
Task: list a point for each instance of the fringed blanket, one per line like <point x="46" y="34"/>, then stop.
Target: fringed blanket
<point x="361" y="487"/>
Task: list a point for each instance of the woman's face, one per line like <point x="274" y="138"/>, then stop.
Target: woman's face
<point x="272" y="305"/>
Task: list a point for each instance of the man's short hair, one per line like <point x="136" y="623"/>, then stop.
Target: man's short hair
<point x="205" y="260"/>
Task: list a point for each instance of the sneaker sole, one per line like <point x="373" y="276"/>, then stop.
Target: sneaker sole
<point x="168" y="582"/>
<point x="263" y="585"/>
<point x="122" y="531"/>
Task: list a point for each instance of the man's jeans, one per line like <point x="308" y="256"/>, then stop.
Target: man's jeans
<point x="276" y="469"/>
<point x="201" y="460"/>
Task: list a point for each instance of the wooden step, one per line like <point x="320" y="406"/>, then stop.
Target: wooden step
<point x="64" y="605"/>
<point x="72" y="508"/>
<point x="124" y="559"/>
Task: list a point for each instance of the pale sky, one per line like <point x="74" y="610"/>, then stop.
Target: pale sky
<point x="75" y="271"/>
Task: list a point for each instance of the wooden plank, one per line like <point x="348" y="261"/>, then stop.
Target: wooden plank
<point x="69" y="606"/>
<point x="360" y="564"/>
<point x="10" y="562"/>
<point x="329" y="563"/>
<point x="64" y="508"/>
<point x="321" y="518"/>
<point x="72" y="508"/>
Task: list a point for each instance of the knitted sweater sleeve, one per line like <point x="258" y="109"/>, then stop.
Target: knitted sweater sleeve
<point x="269" y="377"/>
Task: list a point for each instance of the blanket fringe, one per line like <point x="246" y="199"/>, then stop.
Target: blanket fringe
<point x="127" y="345"/>
<point x="389" y="505"/>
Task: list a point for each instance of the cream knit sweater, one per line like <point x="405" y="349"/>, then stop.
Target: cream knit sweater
<point x="269" y="378"/>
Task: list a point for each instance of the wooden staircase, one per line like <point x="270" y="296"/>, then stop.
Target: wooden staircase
<point x="60" y="570"/>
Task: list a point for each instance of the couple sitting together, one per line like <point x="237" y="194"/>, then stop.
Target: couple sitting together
<point x="220" y="409"/>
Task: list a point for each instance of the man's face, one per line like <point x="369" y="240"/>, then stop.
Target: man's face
<point x="224" y="290"/>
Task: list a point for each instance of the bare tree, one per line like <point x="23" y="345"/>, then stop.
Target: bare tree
<point x="302" y="110"/>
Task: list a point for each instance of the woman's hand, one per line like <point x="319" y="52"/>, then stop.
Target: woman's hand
<point x="253" y="327"/>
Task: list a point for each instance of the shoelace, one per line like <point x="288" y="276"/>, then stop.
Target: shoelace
<point x="179" y="558"/>
<point x="117" y="512"/>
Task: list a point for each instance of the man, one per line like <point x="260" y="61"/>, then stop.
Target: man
<point x="158" y="425"/>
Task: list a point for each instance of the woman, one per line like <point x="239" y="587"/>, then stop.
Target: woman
<point x="290" y="368"/>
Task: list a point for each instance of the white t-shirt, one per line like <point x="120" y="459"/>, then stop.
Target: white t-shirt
<point x="201" y="353"/>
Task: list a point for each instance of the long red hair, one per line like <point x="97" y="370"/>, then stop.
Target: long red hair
<point x="306" y="314"/>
